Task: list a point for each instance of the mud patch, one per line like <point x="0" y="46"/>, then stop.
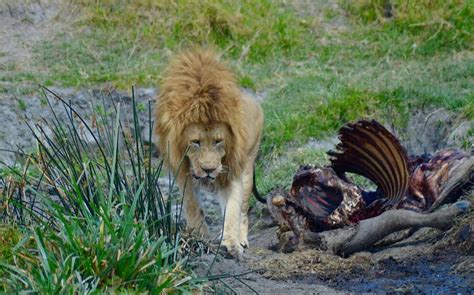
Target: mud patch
<point x="430" y="261"/>
<point x="16" y="135"/>
<point x="419" y="274"/>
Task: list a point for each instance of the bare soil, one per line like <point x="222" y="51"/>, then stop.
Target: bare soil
<point x="23" y="23"/>
<point x="430" y="261"/>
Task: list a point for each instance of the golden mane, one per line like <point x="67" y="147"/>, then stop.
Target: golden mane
<point x="198" y="88"/>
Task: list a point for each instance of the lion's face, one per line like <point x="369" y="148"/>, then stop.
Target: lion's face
<point x="207" y="148"/>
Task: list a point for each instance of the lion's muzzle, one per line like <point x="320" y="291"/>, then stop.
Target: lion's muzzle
<point x="207" y="172"/>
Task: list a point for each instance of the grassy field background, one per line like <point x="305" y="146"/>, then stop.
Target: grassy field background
<point x="315" y="64"/>
<point x="318" y="64"/>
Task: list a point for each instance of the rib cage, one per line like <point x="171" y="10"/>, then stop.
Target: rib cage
<point x="368" y="149"/>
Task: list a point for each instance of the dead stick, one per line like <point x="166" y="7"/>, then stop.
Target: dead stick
<point x="348" y="240"/>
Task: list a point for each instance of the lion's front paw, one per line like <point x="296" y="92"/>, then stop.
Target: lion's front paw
<point x="233" y="249"/>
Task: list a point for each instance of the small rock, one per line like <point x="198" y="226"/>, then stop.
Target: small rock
<point x="464" y="233"/>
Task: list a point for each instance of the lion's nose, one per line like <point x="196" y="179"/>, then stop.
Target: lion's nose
<point x="207" y="170"/>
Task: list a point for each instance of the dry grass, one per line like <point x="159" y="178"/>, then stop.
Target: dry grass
<point x="311" y="262"/>
<point x="461" y="235"/>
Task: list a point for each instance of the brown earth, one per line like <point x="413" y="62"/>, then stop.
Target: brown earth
<point x="430" y="261"/>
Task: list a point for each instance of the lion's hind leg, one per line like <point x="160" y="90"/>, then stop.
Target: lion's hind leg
<point x="247" y="181"/>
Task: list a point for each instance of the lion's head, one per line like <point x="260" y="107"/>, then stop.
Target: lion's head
<point x="207" y="148"/>
<point x="198" y="113"/>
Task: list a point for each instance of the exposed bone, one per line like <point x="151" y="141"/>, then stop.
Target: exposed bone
<point x="325" y="209"/>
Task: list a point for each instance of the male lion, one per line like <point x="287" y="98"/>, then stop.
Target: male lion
<point x="202" y="113"/>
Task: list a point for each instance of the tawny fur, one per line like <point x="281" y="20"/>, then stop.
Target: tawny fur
<point x="199" y="89"/>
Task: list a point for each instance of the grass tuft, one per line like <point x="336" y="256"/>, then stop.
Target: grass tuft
<point x="94" y="218"/>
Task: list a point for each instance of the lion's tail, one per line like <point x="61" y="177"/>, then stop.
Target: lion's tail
<point x="255" y="191"/>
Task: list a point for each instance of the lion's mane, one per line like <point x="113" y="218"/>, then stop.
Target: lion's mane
<point x="198" y="88"/>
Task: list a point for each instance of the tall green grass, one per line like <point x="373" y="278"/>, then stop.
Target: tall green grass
<point x="90" y="217"/>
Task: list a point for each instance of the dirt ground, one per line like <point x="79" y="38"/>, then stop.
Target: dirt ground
<point x="22" y="24"/>
<point x="431" y="261"/>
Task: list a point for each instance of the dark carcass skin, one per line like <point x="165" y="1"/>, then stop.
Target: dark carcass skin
<point x="324" y="198"/>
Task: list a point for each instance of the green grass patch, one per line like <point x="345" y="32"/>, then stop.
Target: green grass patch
<point x="316" y="98"/>
<point x="423" y="27"/>
<point x="304" y="110"/>
<point x="10" y="235"/>
<point x="127" y="42"/>
<point x="278" y="171"/>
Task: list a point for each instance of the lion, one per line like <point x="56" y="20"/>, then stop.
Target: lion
<point x="209" y="134"/>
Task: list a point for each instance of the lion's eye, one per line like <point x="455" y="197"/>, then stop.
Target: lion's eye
<point x="196" y="142"/>
<point x="219" y="141"/>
